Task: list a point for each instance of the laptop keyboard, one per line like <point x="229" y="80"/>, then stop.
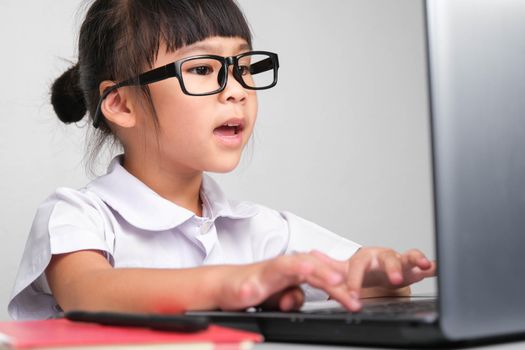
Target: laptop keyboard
<point x="400" y="307"/>
<point x="409" y="309"/>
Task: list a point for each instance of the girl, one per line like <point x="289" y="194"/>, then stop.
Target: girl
<point x="174" y="82"/>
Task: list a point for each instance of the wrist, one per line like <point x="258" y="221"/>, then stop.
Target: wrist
<point x="216" y="281"/>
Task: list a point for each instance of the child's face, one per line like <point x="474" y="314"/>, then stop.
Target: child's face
<point x="192" y="135"/>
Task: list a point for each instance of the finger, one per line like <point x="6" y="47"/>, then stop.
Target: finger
<point x="338" y="265"/>
<point x="272" y="303"/>
<point x="294" y="269"/>
<point x="317" y="280"/>
<point x="269" y="278"/>
<point x="291" y="299"/>
<point x="416" y="274"/>
<point x="338" y="292"/>
<point x="430" y="271"/>
<point x="287" y="270"/>
<point x="433" y="268"/>
<point x="326" y="270"/>
<point x="274" y="275"/>
<point x="415" y="257"/>
<point x="393" y="268"/>
<point x="349" y="301"/>
<point x="357" y="267"/>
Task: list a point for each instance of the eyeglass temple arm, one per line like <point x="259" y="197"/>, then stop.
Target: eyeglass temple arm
<point x="157" y="74"/>
<point x="98" y="112"/>
<point x="263" y="66"/>
<point x="152" y="76"/>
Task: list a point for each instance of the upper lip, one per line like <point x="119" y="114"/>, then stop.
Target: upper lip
<point x="238" y="122"/>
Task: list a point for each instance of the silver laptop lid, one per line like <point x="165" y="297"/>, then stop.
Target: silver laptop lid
<point x="477" y="69"/>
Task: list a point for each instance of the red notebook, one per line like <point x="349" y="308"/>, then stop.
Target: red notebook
<point x="62" y="334"/>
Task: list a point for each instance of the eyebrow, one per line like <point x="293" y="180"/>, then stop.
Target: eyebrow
<point x="209" y="48"/>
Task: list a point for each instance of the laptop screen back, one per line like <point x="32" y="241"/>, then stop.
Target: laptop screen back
<point x="477" y="85"/>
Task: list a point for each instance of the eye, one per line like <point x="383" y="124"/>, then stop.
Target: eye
<point x="244" y="70"/>
<point x="201" y="70"/>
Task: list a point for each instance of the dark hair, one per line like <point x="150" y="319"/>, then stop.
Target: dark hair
<point x="119" y="39"/>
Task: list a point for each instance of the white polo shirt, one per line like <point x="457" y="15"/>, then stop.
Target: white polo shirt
<point x="135" y="227"/>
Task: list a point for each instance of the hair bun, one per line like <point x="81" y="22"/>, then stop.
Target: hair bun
<point x="67" y="97"/>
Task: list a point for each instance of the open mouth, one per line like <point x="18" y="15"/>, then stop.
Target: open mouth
<point x="228" y="129"/>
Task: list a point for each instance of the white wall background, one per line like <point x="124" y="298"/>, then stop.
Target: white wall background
<point x="342" y="140"/>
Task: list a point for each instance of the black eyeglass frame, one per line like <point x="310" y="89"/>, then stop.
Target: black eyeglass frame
<point x="173" y="70"/>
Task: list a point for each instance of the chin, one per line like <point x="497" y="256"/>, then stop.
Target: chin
<point x="224" y="166"/>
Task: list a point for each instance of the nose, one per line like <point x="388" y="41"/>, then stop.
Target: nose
<point x="233" y="91"/>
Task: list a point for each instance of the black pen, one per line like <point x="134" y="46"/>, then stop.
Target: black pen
<point x="164" y="322"/>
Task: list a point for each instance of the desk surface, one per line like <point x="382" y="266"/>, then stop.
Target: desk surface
<point x="280" y="346"/>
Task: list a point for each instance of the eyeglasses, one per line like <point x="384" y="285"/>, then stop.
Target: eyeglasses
<point x="205" y="75"/>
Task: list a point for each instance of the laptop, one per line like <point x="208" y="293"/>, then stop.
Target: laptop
<point x="476" y="66"/>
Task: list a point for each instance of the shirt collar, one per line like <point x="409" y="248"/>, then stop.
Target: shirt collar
<point x="143" y="208"/>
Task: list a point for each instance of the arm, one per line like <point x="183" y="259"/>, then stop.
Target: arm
<point x="85" y="280"/>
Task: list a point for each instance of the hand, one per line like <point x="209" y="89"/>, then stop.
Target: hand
<point x="381" y="269"/>
<point x="275" y="283"/>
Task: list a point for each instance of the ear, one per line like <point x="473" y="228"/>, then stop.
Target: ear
<point x="117" y="107"/>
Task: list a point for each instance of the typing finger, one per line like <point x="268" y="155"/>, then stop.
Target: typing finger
<point x="415" y="257"/>
<point x="392" y="267"/>
<point x="291" y="299"/>
<point x="338" y="265"/>
<point x="291" y="270"/>
<point x="357" y="267"/>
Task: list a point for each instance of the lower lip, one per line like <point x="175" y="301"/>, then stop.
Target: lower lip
<point x="230" y="140"/>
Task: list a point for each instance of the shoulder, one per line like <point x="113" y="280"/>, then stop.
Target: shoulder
<point x="67" y="205"/>
<point x="70" y="196"/>
<point x="68" y="220"/>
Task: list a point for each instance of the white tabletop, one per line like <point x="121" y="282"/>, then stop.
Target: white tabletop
<point x="282" y="346"/>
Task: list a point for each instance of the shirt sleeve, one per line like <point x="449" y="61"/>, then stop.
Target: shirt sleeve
<point x="305" y="236"/>
<point x="67" y="221"/>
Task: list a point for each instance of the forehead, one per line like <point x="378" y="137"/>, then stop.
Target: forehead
<point x="218" y="45"/>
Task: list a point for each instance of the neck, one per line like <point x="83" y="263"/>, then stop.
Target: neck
<point x="179" y="187"/>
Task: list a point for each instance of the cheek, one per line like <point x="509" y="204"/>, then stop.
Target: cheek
<point x="253" y="105"/>
<point x="184" y="121"/>
<point x="251" y="112"/>
<point x="178" y="114"/>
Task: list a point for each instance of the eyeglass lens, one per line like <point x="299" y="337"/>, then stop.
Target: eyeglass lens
<point x="205" y="75"/>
